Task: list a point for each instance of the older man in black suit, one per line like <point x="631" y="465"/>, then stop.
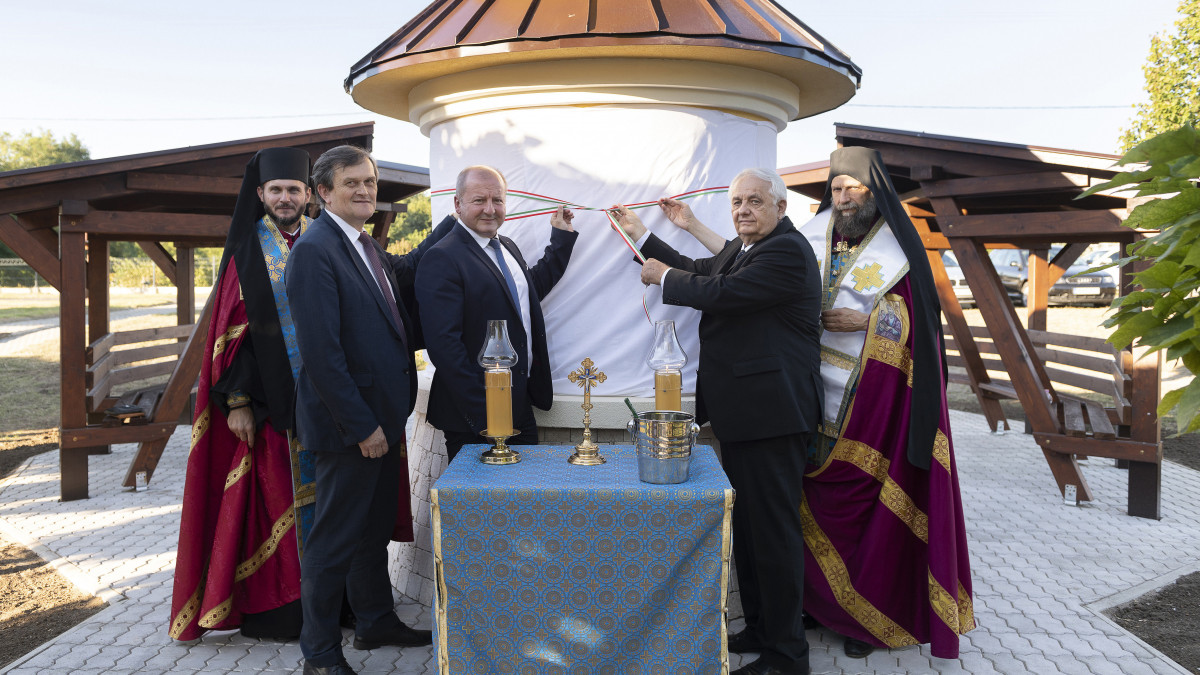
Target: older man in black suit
<point x="354" y="394"/>
<point x="759" y="384"/>
<point x="471" y="276"/>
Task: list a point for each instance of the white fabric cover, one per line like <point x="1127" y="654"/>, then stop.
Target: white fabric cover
<point x="599" y="156"/>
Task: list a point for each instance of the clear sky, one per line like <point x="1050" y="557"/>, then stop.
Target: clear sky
<point x="133" y="76"/>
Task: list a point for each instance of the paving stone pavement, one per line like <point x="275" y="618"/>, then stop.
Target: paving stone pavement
<point x="1042" y="571"/>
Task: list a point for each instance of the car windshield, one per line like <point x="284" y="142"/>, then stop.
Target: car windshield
<point x="949" y="260"/>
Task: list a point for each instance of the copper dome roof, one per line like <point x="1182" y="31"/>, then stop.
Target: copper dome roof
<point x="452" y="36"/>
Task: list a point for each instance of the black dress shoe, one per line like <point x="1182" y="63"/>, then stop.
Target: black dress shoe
<point x="339" y="668"/>
<point x="400" y="637"/>
<point x="809" y="622"/>
<point x="857" y="649"/>
<point x="761" y="667"/>
<point x="744" y="641"/>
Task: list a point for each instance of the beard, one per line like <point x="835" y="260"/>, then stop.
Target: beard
<point x="284" y="223"/>
<point x="854" y="224"/>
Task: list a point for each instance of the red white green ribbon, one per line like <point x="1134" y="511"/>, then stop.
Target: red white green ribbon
<point x="544" y="211"/>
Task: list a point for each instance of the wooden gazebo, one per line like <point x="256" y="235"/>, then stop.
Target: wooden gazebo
<point x="60" y="220"/>
<point x="968" y="196"/>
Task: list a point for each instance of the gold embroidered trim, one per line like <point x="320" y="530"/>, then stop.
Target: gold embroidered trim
<point x="233" y="333"/>
<point x="439" y="587"/>
<point x="941" y="450"/>
<point x="238" y="471"/>
<point x="947" y="607"/>
<point x="726" y="551"/>
<point x="268" y="547"/>
<point x="893" y="354"/>
<point x="185" y="615"/>
<point x="866" y="614"/>
<point x="307" y="494"/>
<point x="837" y="359"/>
<point x="200" y="427"/>
<point x="966" y="610"/>
<point x="217" y="614"/>
<point x="873" y="463"/>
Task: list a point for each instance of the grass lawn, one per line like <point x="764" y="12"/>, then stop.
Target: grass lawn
<point x="29" y="383"/>
<point x="23" y="304"/>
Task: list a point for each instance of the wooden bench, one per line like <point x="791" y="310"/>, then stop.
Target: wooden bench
<point x="121" y="395"/>
<point x="1076" y="361"/>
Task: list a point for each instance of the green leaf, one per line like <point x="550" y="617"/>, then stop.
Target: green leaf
<point x="1165" y="147"/>
<point x="1175" y="330"/>
<point x="1160" y="276"/>
<point x="1169" y="401"/>
<point x="1132" y="328"/>
<point x="1188" y="404"/>
<point x="1156" y="213"/>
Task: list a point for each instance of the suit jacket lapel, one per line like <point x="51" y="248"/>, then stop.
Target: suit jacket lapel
<point x="784" y="225"/>
<point x="367" y="276"/>
<point x="489" y="262"/>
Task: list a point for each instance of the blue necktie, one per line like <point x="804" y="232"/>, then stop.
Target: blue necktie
<point x="508" y="277"/>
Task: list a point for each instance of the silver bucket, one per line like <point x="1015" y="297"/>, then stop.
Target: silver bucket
<point x="664" y="440"/>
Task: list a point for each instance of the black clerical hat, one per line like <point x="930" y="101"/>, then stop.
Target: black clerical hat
<point x="283" y="163"/>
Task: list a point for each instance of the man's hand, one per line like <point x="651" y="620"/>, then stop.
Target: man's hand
<point x="241" y="423"/>
<point x="652" y="271"/>
<point x="678" y="213"/>
<point x="375" y="445"/>
<point x="844" y="320"/>
<point x="561" y="219"/>
<point x="629" y="222"/>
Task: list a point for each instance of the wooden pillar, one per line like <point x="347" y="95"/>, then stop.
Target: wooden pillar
<point x="97" y="310"/>
<point x="1037" y="289"/>
<point x="185" y="284"/>
<point x="73" y="462"/>
<point x="1145" y="478"/>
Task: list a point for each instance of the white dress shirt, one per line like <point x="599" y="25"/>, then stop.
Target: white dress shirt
<point x="352" y="235"/>
<point x="518" y="278"/>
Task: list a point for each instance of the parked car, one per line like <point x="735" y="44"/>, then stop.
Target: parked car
<point x="1013" y="267"/>
<point x="1095" y="288"/>
<point x="961" y="290"/>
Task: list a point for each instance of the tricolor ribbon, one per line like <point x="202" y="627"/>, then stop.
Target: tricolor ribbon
<point x="543" y="211"/>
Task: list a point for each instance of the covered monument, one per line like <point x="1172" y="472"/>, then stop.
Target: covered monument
<point x="595" y="104"/>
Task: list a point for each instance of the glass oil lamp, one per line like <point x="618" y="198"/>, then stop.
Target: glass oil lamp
<point x="667" y="359"/>
<point x="497" y="358"/>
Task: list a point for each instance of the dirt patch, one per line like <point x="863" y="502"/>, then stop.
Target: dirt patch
<point x="1168" y="620"/>
<point x="36" y="603"/>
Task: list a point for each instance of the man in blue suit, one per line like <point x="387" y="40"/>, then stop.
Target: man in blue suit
<point x="474" y="275"/>
<point x="354" y="394"/>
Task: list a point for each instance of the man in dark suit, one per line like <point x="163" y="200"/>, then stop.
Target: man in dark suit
<point x="474" y="275"/>
<point x="354" y="394"/>
<point x="759" y="384"/>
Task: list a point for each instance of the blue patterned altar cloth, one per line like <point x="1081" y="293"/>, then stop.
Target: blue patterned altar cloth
<point x="547" y="567"/>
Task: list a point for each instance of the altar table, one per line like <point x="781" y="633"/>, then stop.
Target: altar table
<point x="548" y="567"/>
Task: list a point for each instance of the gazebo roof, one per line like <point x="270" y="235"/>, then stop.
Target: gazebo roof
<point x="453" y="36"/>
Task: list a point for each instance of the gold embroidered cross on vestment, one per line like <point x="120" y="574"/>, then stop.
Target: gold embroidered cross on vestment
<point x="867" y="277"/>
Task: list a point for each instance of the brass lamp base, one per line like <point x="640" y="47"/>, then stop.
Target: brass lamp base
<point x="587" y="453"/>
<point x="500" y="454"/>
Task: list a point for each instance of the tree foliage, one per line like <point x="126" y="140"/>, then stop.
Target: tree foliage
<point x="31" y="150"/>
<point x="1172" y="80"/>
<point x="412" y="226"/>
<point x="1162" y="311"/>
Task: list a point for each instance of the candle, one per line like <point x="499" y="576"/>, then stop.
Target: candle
<point x="497" y="384"/>
<point x="668" y="390"/>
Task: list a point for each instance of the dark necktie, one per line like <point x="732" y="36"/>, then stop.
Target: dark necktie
<point x="508" y="277"/>
<point x="385" y="287"/>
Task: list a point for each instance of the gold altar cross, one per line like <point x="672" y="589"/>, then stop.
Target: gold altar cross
<point x="587" y="453"/>
<point x="867" y="277"/>
<point x="587" y="377"/>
